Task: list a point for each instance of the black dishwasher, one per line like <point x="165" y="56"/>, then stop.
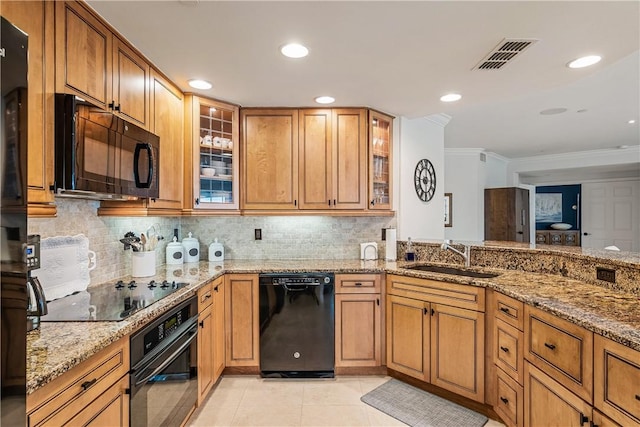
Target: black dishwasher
<point x="297" y="325"/>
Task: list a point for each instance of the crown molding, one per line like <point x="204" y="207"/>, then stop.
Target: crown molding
<point x="440" y="119"/>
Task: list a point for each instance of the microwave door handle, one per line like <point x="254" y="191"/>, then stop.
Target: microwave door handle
<point x="136" y="161"/>
<point x="40" y="301"/>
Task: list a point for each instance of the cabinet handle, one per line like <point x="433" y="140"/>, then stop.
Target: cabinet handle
<point x="373" y="202"/>
<point x="197" y="201"/>
<point x="334" y="202"/>
<point x="207" y="296"/>
<point x="433" y="311"/>
<point x="505" y="309"/>
<point x="504" y="399"/>
<point x="201" y="323"/>
<point x="329" y="201"/>
<point x="216" y="288"/>
<point x="378" y="303"/>
<point x="358" y="284"/>
<point x="550" y="346"/>
<point x="637" y="396"/>
<point x="117" y="107"/>
<point x="583" y="418"/>
<point x="593" y="425"/>
<point x="425" y="311"/>
<point x="505" y="349"/>
<point x="112" y="105"/>
<point x="85" y="385"/>
<point x="295" y="202"/>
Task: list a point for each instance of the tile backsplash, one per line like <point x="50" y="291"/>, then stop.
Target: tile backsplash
<point x="283" y="237"/>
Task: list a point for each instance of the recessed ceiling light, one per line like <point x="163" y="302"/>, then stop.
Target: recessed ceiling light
<point x="451" y="97"/>
<point x="631" y="121"/>
<point x="552" y="111"/>
<point x="622" y="147"/>
<point x="585" y="61"/>
<point x="325" y="99"/>
<point x="200" y="84"/>
<point x="294" y="50"/>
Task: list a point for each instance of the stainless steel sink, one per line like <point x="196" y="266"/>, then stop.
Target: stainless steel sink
<point x="453" y="271"/>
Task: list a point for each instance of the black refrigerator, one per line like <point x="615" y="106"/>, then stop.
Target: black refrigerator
<point x="13" y="224"/>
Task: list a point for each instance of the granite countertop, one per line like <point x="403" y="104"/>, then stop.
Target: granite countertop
<point x="59" y="346"/>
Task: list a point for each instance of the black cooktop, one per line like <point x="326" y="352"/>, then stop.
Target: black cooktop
<point x="109" y="302"/>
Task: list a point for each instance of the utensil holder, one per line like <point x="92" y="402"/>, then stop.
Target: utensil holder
<point x="143" y="264"/>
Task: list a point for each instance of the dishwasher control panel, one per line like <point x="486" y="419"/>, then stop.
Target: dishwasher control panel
<point x="297" y="278"/>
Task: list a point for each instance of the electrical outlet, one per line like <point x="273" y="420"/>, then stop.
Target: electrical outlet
<point x="384" y="234"/>
<point x="606" y="274"/>
<point x="257" y="233"/>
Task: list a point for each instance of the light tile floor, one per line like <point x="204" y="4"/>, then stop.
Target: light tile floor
<point x="253" y="401"/>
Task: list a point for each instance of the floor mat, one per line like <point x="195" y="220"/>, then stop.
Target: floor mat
<point x="419" y="408"/>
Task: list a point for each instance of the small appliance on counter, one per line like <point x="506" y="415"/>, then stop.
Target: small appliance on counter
<point x="175" y="252"/>
<point x="216" y="251"/>
<point x="368" y="251"/>
<point x="191" y="249"/>
<point x="37" y="302"/>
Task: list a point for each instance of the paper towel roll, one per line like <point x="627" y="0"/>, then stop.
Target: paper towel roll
<point x="391" y="246"/>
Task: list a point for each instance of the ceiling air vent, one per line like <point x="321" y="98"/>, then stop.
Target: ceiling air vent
<point x="502" y="54"/>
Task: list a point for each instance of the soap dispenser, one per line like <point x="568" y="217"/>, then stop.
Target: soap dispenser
<point x="216" y="251"/>
<point x="175" y="252"/>
<point x="191" y="249"/>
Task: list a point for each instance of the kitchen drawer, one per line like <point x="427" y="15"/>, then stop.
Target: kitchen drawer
<point x="452" y="294"/>
<point x="357" y="283"/>
<point x="205" y="296"/>
<point x="617" y="381"/>
<point x="509" y="399"/>
<point x="509" y="310"/>
<point x="54" y="403"/>
<point x="508" y="350"/>
<point x="561" y="349"/>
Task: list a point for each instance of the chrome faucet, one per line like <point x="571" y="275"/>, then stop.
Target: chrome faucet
<point x="466" y="254"/>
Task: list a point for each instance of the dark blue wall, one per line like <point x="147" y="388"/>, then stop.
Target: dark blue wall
<point x="570" y="195"/>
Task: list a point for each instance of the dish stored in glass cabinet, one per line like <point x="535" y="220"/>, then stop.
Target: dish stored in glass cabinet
<point x="215" y="181"/>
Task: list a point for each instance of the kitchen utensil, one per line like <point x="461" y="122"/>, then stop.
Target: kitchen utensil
<point x="143" y="241"/>
<point x="191" y="249"/>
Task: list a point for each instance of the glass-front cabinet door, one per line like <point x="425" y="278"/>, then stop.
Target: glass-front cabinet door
<point x="215" y="158"/>
<point x="380" y="161"/>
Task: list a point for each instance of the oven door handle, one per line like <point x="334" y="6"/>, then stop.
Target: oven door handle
<point x="136" y="165"/>
<point x="171" y="358"/>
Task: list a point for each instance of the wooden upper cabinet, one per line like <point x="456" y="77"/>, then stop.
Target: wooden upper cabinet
<point x="37" y="20"/>
<point x="270" y="152"/>
<point x="349" y="159"/>
<point x="308" y="159"/>
<point x="315" y="156"/>
<point x="380" y="161"/>
<point x="130" y="84"/>
<point x="96" y="65"/>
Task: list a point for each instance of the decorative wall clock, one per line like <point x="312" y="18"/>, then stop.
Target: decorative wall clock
<point x="425" y="180"/>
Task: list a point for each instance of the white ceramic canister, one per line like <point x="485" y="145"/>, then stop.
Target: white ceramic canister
<point x="175" y="252"/>
<point x="216" y="251"/>
<point x="191" y="249"/>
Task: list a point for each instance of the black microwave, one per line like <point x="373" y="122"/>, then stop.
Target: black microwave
<point x="98" y="155"/>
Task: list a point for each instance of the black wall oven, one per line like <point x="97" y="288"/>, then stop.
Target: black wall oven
<point x="163" y="376"/>
<point x="101" y="156"/>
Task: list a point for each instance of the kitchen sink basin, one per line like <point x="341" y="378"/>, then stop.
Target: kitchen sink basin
<point x="453" y="271"/>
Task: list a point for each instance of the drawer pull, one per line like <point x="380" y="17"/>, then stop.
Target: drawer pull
<point x="637" y="396"/>
<point x="583" y="418"/>
<point x="550" y="346"/>
<point x="505" y="400"/>
<point x="505" y="349"/>
<point x="85" y="385"/>
<point x="206" y="297"/>
<point x="216" y="288"/>
<point x="505" y="309"/>
<point x="358" y="284"/>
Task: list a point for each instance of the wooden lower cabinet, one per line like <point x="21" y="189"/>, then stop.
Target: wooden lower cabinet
<point x="408" y="336"/>
<point x="205" y="353"/>
<point x="357" y="334"/>
<point x="617" y="381"/>
<point x="93" y="393"/>
<point x="241" y="320"/>
<point x="509" y="399"/>
<point x="547" y="403"/>
<point x="457" y="350"/>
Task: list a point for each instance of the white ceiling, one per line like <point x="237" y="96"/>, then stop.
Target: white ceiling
<point x="400" y="57"/>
